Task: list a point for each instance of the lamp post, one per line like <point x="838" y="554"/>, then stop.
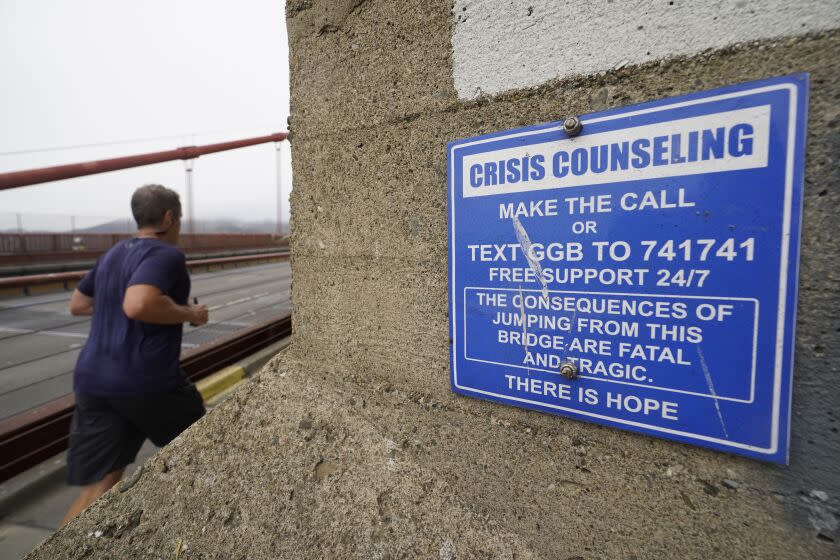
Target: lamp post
<point x="188" y="168"/>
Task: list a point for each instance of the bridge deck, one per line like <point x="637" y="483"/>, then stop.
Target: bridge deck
<point x="40" y="340"/>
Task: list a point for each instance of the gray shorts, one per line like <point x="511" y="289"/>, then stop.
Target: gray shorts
<point x="107" y="432"/>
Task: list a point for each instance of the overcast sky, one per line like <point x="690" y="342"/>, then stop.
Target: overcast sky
<point x="97" y="71"/>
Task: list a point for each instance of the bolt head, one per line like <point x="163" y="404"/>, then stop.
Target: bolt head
<point x="569" y="370"/>
<point x="572" y="126"/>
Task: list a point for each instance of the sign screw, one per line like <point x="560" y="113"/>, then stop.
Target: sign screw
<point x="572" y="126"/>
<point x="569" y="370"/>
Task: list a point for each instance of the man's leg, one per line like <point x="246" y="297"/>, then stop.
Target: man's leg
<point x="90" y="493"/>
<point x="102" y="444"/>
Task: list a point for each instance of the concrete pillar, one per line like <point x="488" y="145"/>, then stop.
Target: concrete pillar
<point x="379" y="89"/>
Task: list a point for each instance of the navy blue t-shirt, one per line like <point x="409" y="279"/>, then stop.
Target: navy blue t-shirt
<point x="123" y="357"/>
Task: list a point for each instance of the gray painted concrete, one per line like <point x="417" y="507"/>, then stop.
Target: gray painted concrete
<point x="501" y="46"/>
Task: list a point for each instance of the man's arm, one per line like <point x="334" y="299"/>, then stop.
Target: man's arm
<point x="80" y="304"/>
<point x="147" y="303"/>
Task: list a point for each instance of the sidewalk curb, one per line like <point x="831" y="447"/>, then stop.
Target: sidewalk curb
<point x="219" y="385"/>
<point x="26" y="485"/>
<point x="218" y="382"/>
<point x="253" y="363"/>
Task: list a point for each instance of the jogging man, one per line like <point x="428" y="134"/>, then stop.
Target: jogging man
<point x="128" y="381"/>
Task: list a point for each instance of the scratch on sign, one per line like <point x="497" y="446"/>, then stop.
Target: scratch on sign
<point x="711" y="389"/>
<point x="525" y="245"/>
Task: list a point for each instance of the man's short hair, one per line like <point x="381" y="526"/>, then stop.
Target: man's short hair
<point x="150" y="203"/>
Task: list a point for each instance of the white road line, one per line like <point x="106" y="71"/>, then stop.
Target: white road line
<point x="237" y="301"/>
<point x="50" y="333"/>
<point x="14" y="330"/>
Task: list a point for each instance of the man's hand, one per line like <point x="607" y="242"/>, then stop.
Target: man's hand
<point x="199" y="315"/>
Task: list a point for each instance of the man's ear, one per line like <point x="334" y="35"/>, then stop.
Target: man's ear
<point x="168" y="219"/>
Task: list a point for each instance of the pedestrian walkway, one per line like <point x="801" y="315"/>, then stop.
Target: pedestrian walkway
<point x="33" y="504"/>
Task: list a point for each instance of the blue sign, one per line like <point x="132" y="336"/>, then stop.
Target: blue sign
<point x="641" y="274"/>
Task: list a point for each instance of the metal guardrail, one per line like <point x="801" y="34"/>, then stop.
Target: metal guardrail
<point x="35" y="435"/>
<point x="18" y="243"/>
<point x="23" y="248"/>
<point x="26" y="177"/>
<point x="76" y="275"/>
<point x="200" y="362"/>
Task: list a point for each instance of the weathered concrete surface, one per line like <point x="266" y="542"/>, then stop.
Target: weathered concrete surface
<point x="370" y="248"/>
<point x="297" y="465"/>
<point x="320" y="476"/>
<point x="351" y="56"/>
<point x="419" y="472"/>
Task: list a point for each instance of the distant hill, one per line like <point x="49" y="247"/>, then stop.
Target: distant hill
<point x="201" y="226"/>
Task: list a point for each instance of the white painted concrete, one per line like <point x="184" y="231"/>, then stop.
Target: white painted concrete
<point x="504" y="45"/>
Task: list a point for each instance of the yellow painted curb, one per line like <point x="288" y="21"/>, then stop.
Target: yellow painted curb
<point x="223" y="379"/>
<point x="223" y="395"/>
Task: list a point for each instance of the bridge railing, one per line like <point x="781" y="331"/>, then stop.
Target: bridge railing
<point x="24" y="243"/>
<point x="23" y="248"/>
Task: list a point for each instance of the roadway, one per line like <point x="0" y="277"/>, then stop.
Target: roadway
<point x="40" y="340"/>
